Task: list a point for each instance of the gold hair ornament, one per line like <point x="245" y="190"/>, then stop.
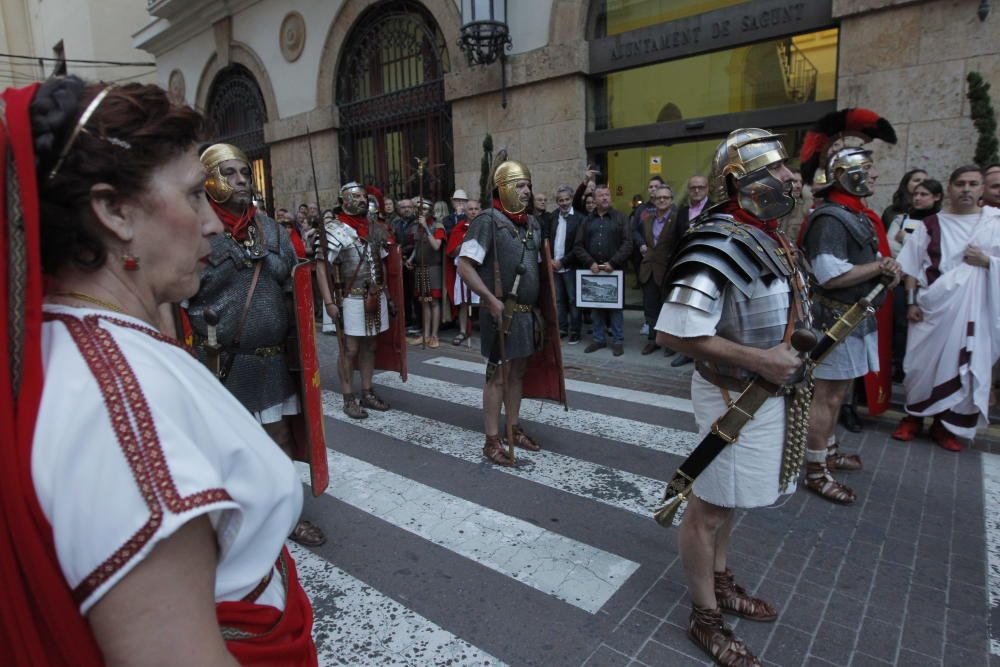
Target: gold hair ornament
<point x="84" y="117"/>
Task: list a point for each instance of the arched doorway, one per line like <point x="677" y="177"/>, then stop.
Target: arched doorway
<point x="390" y="94"/>
<point x="236" y="109"/>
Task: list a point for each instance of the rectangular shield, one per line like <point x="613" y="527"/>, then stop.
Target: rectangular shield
<point x="390" y="345"/>
<point x="545" y="377"/>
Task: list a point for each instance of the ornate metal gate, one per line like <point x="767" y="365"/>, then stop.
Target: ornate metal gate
<point x="236" y="109"/>
<point x="390" y="93"/>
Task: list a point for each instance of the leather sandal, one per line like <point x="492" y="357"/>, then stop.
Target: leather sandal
<point x="496" y="451"/>
<point x="733" y="599"/>
<point x="307" y="534"/>
<point x="371" y="400"/>
<point x="711" y="634"/>
<point x="846" y="462"/>
<point x="352" y="408"/>
<point x="819" y="481"/>
<point x="522" y="440"/>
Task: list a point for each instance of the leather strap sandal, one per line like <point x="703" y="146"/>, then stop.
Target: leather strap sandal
<point x="371" y="400"/>
<point x="522" y="440"/>
<point x="307" y="534"/>
<point x="496" y="451"/>
<point x="711" y="634"/>
<point x="846" y="462"/>
<point x="352" y="408"/>
<point x="733" y="599"/>
<point x="819" y="481"/>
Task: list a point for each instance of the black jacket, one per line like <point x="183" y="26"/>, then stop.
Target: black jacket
<point x="603" y="238"/>
<point x="572" y="228"/>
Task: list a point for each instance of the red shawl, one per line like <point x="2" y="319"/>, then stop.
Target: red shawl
<point x="235" y="224"/>
<point x="769" y="227"/>
<point x="519" y="219"/>
<point x="878" y="386"/>
<point x="358" y="223"/>
<point x="455" y="240"/>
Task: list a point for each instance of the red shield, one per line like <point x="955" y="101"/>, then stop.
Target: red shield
<point x="303" y="362"/>
<point x="545" y="377"/>
<point x="390" y="346"/>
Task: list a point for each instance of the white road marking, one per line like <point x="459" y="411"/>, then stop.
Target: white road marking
<point x="357" y="625"/>
<point x="616" y="429"/>
<point x="581" y="575"/>
<point x="581" y="387"/>
<point x="617" y="488"/>
<point x="991" y="519"/>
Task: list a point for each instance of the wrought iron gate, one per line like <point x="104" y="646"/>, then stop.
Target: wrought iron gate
<point x="236" y="109"/>
<point x="390" y="94"/>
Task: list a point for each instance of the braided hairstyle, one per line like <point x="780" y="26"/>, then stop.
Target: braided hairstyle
<point x="134" y="130"/>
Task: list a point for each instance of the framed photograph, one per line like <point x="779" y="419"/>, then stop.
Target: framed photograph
<point x="600" y="290"/>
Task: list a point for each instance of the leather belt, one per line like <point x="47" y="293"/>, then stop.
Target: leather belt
<point x="267" y="351"/>
<point x="727" y="382"/>
<point x="362" y="291"/>
<point x="838" y="307"/>
<point x="522" y="308"/>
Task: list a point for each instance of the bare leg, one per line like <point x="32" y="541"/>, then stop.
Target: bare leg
<point x="435" y="318"/>
<point x="722" y="543"/>
<point x="425" y="309"/>
<point x="492" y="400"/>
<point x="517" y="369"/>
<point x="366" y="362"/>
<point x="281" y="432"/>
<point x="346" y="368"/>
<point x="827" y="397"/>
<point x="698" y="538"/>
<point x="463" y="318"/>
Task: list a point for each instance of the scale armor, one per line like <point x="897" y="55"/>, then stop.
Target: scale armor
<point x="360" y="259"/>
<point x="257" y="380"/>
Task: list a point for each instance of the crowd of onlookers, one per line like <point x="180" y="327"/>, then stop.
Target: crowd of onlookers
<point x="586" y="233"/>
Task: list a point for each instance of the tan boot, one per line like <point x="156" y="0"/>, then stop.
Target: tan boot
<point x="352" y="408"/>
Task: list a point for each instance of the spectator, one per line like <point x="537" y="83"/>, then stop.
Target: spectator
<point x="604" y="245"/>
<point x="564" y="223"/>
<point x="313" y="214"/>
<point x="950" y="262"/>
<point x="459" y="200"/>
<point x="302" y="213"/>
<point x="901" y="197"/>
<point x="441" y="212"/>
<point x="991" y="183"/>
<point x="583" y="190"/>
<point x="657" y="236"/>
<point x="640" y="212"/>
<point x="697" y="198"/>
<point x="589" y="204"/>
<point x="540" y="204"/>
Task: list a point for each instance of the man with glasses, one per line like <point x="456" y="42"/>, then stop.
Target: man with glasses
<point x="697" y="196"/>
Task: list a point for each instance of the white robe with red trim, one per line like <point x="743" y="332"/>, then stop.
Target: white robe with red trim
<point x="123" y="458"/>
<point x="951" y="352"/>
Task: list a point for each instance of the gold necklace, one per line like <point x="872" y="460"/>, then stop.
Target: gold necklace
<point x="79" y="296"/>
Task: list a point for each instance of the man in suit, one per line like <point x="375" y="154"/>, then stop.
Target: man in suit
<point x="657" y="236"/>
<point x="697" y="197"/>
<point x="560" y="229"/>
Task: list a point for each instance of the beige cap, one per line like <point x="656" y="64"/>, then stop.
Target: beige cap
<point x="460" y="194"/>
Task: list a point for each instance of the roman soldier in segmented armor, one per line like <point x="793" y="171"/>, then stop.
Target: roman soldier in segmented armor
<point x="734" y="296"/>
<point x="356" y="249"/>
<point x="247" y="288"/>
<point x="848" y="253"/>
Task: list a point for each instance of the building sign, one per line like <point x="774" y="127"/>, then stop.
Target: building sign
<point x="655" y="164"/>
<point x="711" y="31"/>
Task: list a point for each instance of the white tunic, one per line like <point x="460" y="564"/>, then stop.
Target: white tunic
<point x="745" y="473"/>
<point x="195" y="448"/>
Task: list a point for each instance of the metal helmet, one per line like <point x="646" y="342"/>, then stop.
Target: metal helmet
<point x="216" y="185"/>
<point x="353" y="199"/>
<point x="505" y="178"/>
<point x="853" y="164"/>
<point x="746" y="155"/>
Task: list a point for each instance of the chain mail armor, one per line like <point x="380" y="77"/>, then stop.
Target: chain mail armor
<point x="259" y="375"/>
<point x="361" y="271"/>
<point x="849" y="236"/>
<point x="720" y="252"/>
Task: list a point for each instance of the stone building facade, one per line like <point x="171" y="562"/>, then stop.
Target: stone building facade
<point x="637" y="87"/>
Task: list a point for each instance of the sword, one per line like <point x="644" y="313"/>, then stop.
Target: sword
<point x="726" y="428"/>
<point x="212" y="347"/>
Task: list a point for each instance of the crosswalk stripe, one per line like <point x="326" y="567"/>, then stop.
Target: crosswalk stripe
<point x="610" y="486"/>
<point x="617" y="429"/>
<point x="581" y="575"/>
<point x="581" y="387"/>
<point x="359" y="625"/>
<point x="991" y="518"/>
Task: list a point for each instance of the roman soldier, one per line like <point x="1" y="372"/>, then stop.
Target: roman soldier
<point x="247" y="309"/>
<point x="734" y="297"/>
<point x="503" y="260"/>
<point x="427" y="263"/>
<point x="849" y="254"/>
<point x="357" y="248"/>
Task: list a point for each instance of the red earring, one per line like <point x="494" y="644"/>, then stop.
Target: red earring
<point x="129" y="261"/>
